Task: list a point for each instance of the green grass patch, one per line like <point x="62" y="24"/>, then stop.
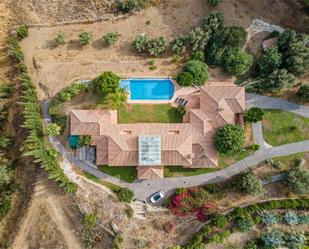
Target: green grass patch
<point x="125" y="173"/>
<point x="280" y="127"/>
<point x="289" y="161"/>
<point x="178" y="171"/>
<point x="225" y="161"/>
<point x="162" y="113"/>
<point x="109" y="185"/>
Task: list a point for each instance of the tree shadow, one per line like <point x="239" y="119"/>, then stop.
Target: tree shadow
<point x="74" y="45"/>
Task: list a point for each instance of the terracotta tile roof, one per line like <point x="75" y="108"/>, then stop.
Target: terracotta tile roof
<point x="152" y="172"/>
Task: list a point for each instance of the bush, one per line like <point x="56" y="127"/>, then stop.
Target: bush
<point x="140" y="43"/>
<point x="85" y="38"/>
<point x="236" y="62"/>
<point x="254" y="114"/>
<point x="141" y="243"/>
<point x="278" y="81"/>
<point x="303" y="93"/>
<point x="219" y="220"/>
<point x="213" y="22"/>
<point x="232" y="36"/>
<point x="15" y="51"/>
<point x="117" y="242"/>
<point x="129" y="212"/>
<point x="219" y="237"/>
<point x="295" y="240"/>
<point x="273" y="239"/>
<point x="298" y="181"/>
<point x="198" y="39"/>
<point x="72" y="90"/>
<point x="181" y="110"/>
<point x="230" y="139"/>
<point x="251" y="245"/>
<point x="125" y="195"/>
<point x="291" y="218"/>
<point x="213" y="2"/>
<point x="156" y="46"/>
<point x="270" y="61"/>
<point x="269" y="219"/>
<point x="247" y="183"/>
<point x="178" y="45"/>
<point x="111" y="38"/>
<point x="22" y="31"/>
<point x="198" y="70"/>
<point x="91" y="237"/>
<point x="106" y="83"/>
<point x="53" y="129"/>
<point x="128" y="6"/>
<point x="60" y="39"/>
<point x="198" y="56"/>
<point x="244" y="224"/>
<point x="185" y="79"/>
<point x="84" y="140"/>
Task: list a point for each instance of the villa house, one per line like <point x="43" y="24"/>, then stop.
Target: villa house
<point x="151" y="146"/>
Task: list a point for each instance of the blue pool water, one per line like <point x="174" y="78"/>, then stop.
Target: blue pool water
<point x="149" y="89"/>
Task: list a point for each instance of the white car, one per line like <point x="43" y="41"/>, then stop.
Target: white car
<point x="157" y="196"/>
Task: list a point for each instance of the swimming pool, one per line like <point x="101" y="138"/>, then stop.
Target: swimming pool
<point x="148" y="89"/>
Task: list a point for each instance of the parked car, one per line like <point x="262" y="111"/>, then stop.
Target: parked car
<point x="157" y="196"/>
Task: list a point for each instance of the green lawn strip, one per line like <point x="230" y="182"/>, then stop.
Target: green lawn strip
<point x="178" y="171"/>
<point x="162" y="113"/>
<point x="125" y="173"/>
<point x="225" y="161"/>
<point x="280" y="127"/>
<point x="109" y="185"/>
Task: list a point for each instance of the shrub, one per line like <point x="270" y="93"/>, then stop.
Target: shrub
<point x="156" y="46"/>
<point x="72" y="90"/>
<point x="141" y="243"/>
<point x="22" y="31"/>
<point x="213" y="2"/>
<point x="111" y="38"/>
<point x="251" y="245"/>
<point x="15" y="51"/>
<point x="198" y="70"/>
<point x="248" y="183"/>
<point x="270" y="61"/>
<point x="185" y="79"/>
<point x="255" y="147"/>
<point x="181" y="110"/>
<point x="106" y="83"/>
<point x="85" y="38"/>
<point x="178" y="45"/>
<point x="213" y="22"/>
<point x="295" y="240"/>
<point x="129" y="212"/>
<point x="140" y="43"/>
<point x="125" y="195"/>
<point x="269" y="219"/>
<point x="84" y="140"/>
<point x="273" y="239"/>
<point x="244" y="224"/>
<point x="219" y="220"/>
<point x="254" y="114"/>
<point x="60" y="39"/>
<point x="53" y="129"/>
<point x="90" y="220"/>
<point x="232" y="36"/>
<point x="236" y="62"/>
<point x="198" y="39"/>
<point x="219" y="237"/>
<point x="118" y="99"/>
<point x="198" y="56"/>
<point x="303" y="93"/>
<point x="303" y="219"/>
<point x="298" y="181"/>
<point x="278" y="81"/>
<point x="230" y="139"/>
<point x="291" y="218"/>
<point x="128" y="6"/>
<point x="117" y="242"/>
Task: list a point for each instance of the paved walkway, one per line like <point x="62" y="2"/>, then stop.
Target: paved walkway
<point x="258" y="135"/>
<point x="144" y="188"/>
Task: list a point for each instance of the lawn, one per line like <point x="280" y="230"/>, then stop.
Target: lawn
<point x="289" y="161"/>
<point x="225" y="161"/>
<point x="178" y="171"/>
<point x="127" y="174"/>
<point x="280" y="127"/>
<point x="162" y="113"/>
<point x="109" y="185"/>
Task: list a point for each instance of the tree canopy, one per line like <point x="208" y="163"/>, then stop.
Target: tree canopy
<point x="198" y="70"/>
<point x="278" y="80"/>
<point x="270" y="61"/>
<point x="106" y="83"/>
<point x="248" y="183"/>
<point x="298" y="181"/>
<point x="237" y="62"/>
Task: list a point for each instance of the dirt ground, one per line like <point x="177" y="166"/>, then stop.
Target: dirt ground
<point x="52" y="68"/>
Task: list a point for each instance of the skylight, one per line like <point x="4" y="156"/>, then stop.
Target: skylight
<point x="149" y="150"/>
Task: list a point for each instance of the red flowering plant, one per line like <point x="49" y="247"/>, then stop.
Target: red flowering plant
<point x="192" y="201"/>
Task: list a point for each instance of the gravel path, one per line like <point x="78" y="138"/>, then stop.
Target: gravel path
<point x="145" y="188"/>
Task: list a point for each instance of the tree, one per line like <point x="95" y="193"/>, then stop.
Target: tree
<point x="140" y="43"/>
<point x="125" y="195"/>
<point x="185" y="79"/>
<point x="60" y="39"/>
<point x="198" y="39"/>
<point x="244" y="224"/>
<point x="298" y="180"/>
<point x="111" y="38"/>
<point x="118" y="99"/>
<point x="198" y="70"/>
<point x="53" y="129"/>
<point x="156" y="46"/>
<point x="215" y="55"/>
<point x="84" y="140"/>
<point x="213" y="22"/>
<point x="178" y="45"/>
<point x="5" y="175"/>
<point x="248" y="183"/>
<point x="277" y="81"/>
<point x="22" y="31"/>
<point x="253" y="115"/>
<point x="106" y="83"/>
<point x="237" y="62"/>
<point x="231" y="36"/>
<point x="273" y="239"/>
<point x="303" y="93"/>
<point x="198" y="56"/>
<point x="85" y="38"/>
<point x="230" y="139"/>
<point x="270" y="61"/>
<point x="213" y="2"/>
<point x="181" y="110"/>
